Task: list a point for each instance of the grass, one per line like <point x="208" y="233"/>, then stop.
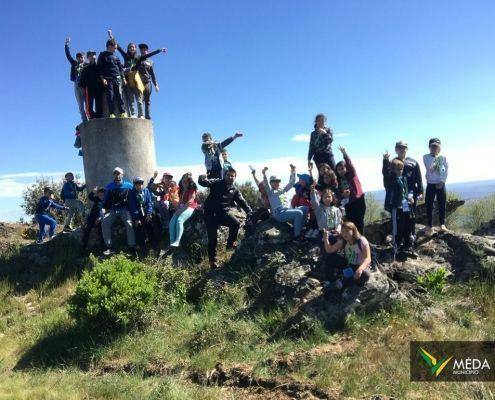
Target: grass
<point x="44" y="355"/>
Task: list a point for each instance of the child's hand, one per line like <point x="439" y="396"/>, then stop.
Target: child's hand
<point x="342" y="150"/>
<point x="386" y="156"/>
<point x="67" y="40"/>
<point x="346" y="193"/>
<point x="155" y="174"/>
<point x="313" y="186"/>
<point x="95" y="189"/>
<point x="238" y="135"/>
<point x="292" y="168"/>
<point x="110" y="35"/>
<point x="164" y="50"/>
<point x="263" y="171"/>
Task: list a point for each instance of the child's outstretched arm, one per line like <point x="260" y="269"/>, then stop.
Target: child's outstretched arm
<point x="292" y="180"/>
<point x="331" y="248"/>
<point x="265" y="180"/>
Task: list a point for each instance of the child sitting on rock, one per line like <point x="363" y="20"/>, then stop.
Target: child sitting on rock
<point x="167" y="192"/>
<point x="280" y="206"/>
<point x="328" y="215"/>
<point x="43" y="215"/>
<point x="302" y="199"/>
<point x="97" y="196"/>
<point x="356" y="262"/>
<point x="263" y="211"/>
<point x="437" y="169"/>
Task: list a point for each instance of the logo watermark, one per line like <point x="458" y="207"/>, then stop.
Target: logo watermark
<point x="460" y="361"/>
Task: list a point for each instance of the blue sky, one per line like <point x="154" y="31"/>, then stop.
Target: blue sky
<point x="381" y="71"/>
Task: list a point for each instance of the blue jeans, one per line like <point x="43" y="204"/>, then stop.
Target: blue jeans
<point x="295" y="215"/>
<point x="43" y="220"/>
<point x="176" y="228"/>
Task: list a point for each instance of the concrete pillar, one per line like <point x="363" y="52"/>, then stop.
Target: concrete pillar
<point x="117" y="142"/>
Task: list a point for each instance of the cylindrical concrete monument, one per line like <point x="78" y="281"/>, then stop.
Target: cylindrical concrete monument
<point x="107" y="143"/>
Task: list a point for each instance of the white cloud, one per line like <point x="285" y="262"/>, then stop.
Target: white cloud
<point x="341" y="134"/>
<point x="301" y="138"/>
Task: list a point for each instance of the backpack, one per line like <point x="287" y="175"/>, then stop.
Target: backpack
<point x="374" y="259"/>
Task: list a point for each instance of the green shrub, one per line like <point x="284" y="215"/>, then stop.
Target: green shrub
<point x="173" y="284"/>
<point x="374" y="210"/>
<point x="433" y="281"/>
<point x="117" y="293"/>
<point x="250" y="193"/>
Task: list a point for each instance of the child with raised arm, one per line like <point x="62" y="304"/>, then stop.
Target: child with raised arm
<point x="356" y="262"/>
<point x="399" y="203"/>
<point x="437" y="170"/>
<point x="280" y="206"/>
<point x="213" y="151"/>
<point x="43" y="215"/>
<point x="111" y="74"/>
<point x="76" y="67"/>
<point x="263" y="211"/>
<point x="351" y="192"/>
<point x="69" y="195"/>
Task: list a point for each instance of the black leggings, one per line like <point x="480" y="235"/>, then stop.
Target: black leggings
<point x="433" y="191"/>
<point x="324" y="158"/>
<point x="355" y="211"/>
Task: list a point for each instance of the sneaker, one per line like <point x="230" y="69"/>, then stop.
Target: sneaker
<point x="39" y="241"/>
<point x="108" y="252"/>
<point x="141" y="117"/>
<point x="67" y="229"/>
<point x="123" y="115"/>
<point x="443" y="228"/>
<point x="111" y="116"/>
<point x="429" y="231"/>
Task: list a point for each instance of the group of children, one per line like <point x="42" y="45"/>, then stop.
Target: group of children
<point x="104" y="87"/>
<point x="329" y="208"/>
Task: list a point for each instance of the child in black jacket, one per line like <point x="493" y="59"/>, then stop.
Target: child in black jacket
<point x="398" y="202"/>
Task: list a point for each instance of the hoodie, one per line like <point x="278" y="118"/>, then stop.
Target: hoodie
<point x="329" y="217"/>
<point x="437" y="168"/>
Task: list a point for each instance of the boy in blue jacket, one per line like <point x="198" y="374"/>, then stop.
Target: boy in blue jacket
<point x="69" y="193"/>
<point x="43" y="215"/>
<point x="76" y="67"/>
<point x="399" y="203"/>
<point x="141" y="207"/>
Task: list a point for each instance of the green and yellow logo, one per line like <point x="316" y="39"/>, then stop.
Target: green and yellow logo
<point x="436" y="366"/>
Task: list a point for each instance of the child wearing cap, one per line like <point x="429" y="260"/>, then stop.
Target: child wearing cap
<point x="302" y="199"/>
<point x="279" y="205"/>
<point x="437" y="169"/>
<point x="69" y="194"/>
<point x="212" y="151"/>
<point x="43" y="215"/>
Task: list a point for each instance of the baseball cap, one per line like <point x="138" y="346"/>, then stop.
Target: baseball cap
<point x="168" y="174"/>
<point x="138" y="179"/>
<point x="435" y="142"/>
<point x="274" y="178"/>
<point x="401" y="143"/>
<point x="119" y="170"/>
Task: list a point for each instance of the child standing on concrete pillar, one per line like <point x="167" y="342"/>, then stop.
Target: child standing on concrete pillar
<point x="69" y="195"/>
<point x="111" y="73"/>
